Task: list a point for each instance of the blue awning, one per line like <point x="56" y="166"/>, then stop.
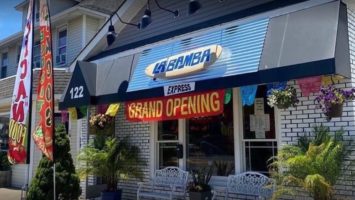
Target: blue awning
<point x="241" y="52"/>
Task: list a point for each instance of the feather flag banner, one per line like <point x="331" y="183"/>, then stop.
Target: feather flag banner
<point x="20" y="104"/>
<point x="44" y="132"/>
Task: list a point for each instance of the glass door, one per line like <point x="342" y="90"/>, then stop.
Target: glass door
<point x="167" y="140"/>
<point x="259" y="133"/>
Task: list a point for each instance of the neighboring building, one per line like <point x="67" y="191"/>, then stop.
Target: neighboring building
<point x="262" y="42"/>
<point x="74" y="23"/>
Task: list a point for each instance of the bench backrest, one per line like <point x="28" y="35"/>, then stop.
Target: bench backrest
<point x="251" y="183"/>
<point x="171" y="176"/>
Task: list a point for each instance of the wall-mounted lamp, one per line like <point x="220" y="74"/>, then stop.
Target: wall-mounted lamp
<point x="111" y="34"/>
<point x="147" y="18"/>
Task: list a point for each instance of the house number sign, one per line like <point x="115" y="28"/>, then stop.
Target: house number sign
<point x="77" y="92"/>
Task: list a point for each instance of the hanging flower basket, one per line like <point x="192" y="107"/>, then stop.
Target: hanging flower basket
<point x="101" y="124"/>
<point x="331" y="100"/>
<point x="335" y="110"/>
<point x="284" y="98"/>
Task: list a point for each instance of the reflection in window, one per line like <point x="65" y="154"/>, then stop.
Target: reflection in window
<point x="259" y="138"/>
<point x="62" y="47"/>
<point x="168" y="136"/>
<point x="210" y="142"/>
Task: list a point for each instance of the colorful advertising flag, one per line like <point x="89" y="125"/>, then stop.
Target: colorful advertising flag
<point x="186" y="105"/>
<point x="43" y="134"/>
<point x="20" y="103"/>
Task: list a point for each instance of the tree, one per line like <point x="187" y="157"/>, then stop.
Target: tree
<point x="67" y="181"/>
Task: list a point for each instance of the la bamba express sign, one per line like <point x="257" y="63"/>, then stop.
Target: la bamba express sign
<point x="175" y="107"/>
<point x="185" y="63"/>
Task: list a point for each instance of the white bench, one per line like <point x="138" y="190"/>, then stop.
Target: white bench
<point x="167" y="183"/>
<point x="248" y="183"/>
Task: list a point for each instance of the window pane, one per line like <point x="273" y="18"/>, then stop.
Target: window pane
<point x="258" y="154"/>
<point x="4" y="59"/>
<point x="168" y="130"/>
<point x="62" y="50"/>
<point x="62" y="38"/>
<point x="261" y="124"/>
<point x="167" y="155"/>
<point x="210" y="142"/>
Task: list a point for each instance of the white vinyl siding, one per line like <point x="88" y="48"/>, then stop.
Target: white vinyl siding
<point x="92" y="27"/>
<point x="74" y="42"/>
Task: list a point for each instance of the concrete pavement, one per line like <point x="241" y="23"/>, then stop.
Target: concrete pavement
<point x="10" y="194"/>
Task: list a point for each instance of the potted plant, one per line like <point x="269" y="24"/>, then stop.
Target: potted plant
<point x="331" y="100"/>
<point x="199" y="188"/>
<point x="283" y="98"/>
<point x="117" y="159"/>
<point x="314" y="164"/>
<point x="5" y="170"/>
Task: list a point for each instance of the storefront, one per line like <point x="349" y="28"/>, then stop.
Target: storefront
<point x="200" y="99"/>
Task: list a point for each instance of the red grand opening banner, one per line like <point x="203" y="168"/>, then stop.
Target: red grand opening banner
<point x="20" y="104"/>
<point x="176" y="107"/>
<point x="44" y="132"/>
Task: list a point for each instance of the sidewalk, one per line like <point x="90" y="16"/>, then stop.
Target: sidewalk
<point x="10" y="194"/>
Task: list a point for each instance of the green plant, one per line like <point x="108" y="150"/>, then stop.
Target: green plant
<point x="283" y="98"/>
<point x="4" y="162"/>
<point x="117" y="159"/>
<point x="67" y="181"/>
<point x="223" y="168"/>
<point x="315" y="164"/>
<point x="200" y="180"/>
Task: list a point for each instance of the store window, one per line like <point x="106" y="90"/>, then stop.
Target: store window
<point x="210" y="142"/>
<point x="37" y="55"/>
<point x="4" y="133"/>
<point x="62" y="47"/>
<point x="259" y="135"/>
<point x="168" y="139"/>
<point x="4" y="64"/>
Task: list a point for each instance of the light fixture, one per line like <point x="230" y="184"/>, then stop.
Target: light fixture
<point x="175" y="12"/>
<point x="146" y="19"/>
<point x="194" y="6"/>
<point x="111" y="34"/>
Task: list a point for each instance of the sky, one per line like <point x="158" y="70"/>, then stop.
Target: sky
<point x="10" y="19"/>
